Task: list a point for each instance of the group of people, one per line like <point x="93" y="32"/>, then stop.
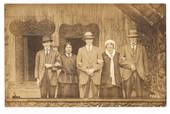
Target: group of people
<point x="92" y="74"/>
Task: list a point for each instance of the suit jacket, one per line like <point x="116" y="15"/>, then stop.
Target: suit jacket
<point x="106" y="80"/>
<point x="139" y="59"/>
<point x="85" y="60"/>
<point x="40" y="69"/>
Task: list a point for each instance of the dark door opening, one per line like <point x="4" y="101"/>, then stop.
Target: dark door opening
<point x="76" y="44"/>
<point x="74" y="34"/>
<point x="34" y="45"/>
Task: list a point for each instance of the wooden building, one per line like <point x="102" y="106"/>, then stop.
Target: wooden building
<point x="26" y="24"/>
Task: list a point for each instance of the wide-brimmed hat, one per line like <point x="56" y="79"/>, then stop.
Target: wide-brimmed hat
<point x="88" y="35"/>
<point x="133" y="34"/>
<point x="46" y="39"/>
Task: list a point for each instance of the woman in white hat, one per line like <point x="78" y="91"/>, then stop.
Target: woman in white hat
<point x="111" y="77"/>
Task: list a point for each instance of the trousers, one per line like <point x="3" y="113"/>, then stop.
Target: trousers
<point x="134" y="83"/>
<point x="46" y="89"/>
<point x="89" y="90"/>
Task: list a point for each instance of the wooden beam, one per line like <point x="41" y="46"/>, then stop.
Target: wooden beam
<point x="136" y="16"/>
<point x="158" y="14"/>
<point x="150" y="14"/>
<point x="141" y="14"/>
<point x="160" y="8"/>
<point x="85" y="102"/>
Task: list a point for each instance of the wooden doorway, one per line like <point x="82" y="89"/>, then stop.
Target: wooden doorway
<point x="76" y="44"/>
<point x="28" y="36"/>
<point x="34" y="44"/>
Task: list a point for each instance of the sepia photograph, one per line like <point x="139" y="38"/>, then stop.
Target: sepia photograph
<point x="85" y="55"/>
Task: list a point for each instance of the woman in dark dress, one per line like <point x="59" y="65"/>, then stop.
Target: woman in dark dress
<point x="111" y="77"/>
<point x="68" y="78"/>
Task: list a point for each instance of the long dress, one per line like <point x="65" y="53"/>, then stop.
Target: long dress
<point x="68" y="78"/>
<point x="107" y="89"/>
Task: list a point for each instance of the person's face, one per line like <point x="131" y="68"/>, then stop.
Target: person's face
<point x="55" y="48"/>
<point x="110" y="47"/>
<point x="68" y="49"/>
<point x="133" y="40"/>
<point x="46" y="45"/>
<point x="89" y="41"/>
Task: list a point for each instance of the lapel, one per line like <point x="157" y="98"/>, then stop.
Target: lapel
<point x="129" y="49"/>
<point x="43" y="56"/>
<point x="114" y="57"/>
<point x="138" y="51"/>
<point x="87" y="53"/>
<point x="51" y="56"/>
<point x="92" y="50"/>
<point x="48" y="57"/>
<point x="91" y="53"/>
<point x="71" y="59"/>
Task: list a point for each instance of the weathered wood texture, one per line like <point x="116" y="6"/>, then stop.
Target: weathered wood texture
<point x="85" y="102"/>
<point x="113" y="23"/>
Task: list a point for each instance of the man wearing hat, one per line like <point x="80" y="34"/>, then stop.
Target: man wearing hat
<point x="136" y="73"/>
<point x="89" y="63"/>
<point x="44" y="69"/>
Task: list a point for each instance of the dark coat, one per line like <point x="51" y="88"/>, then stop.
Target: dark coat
<point x="68" y="72"/>
<point x="40" y="69"/>
<point x="106" y="80"/>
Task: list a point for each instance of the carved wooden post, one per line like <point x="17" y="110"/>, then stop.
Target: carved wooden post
<point x="19" y="50"/>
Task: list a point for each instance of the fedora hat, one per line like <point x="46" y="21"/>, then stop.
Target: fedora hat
<point x="88" y="35"/>
<point x="133" y="34"/>
<point x="46" y="39"/>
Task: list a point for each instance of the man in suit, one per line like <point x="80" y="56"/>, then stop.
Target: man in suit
<point x="45" y="69"/>
<point x="89" y="63"/>
<point x="136" y="72"/>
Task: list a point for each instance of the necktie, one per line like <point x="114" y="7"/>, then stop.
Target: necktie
<point x="45" y="56"/>
<point x="89" y="48"/>
<point x="133" y="50"/>
<point x="47" y="51"/>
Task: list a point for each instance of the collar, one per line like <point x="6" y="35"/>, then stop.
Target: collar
<point x="87" y="47"/>
<point x="47" y="48"/>
<point x="133" y="45"/>
<point x="110" y="55"/>
<point x="68" y="55"/>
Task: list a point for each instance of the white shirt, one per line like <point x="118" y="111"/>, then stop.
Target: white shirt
<point x="68" y="54"/>
<point x="89" y="47"/>
<point x="133" y="46"/>
<point x="47" y="50"/>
